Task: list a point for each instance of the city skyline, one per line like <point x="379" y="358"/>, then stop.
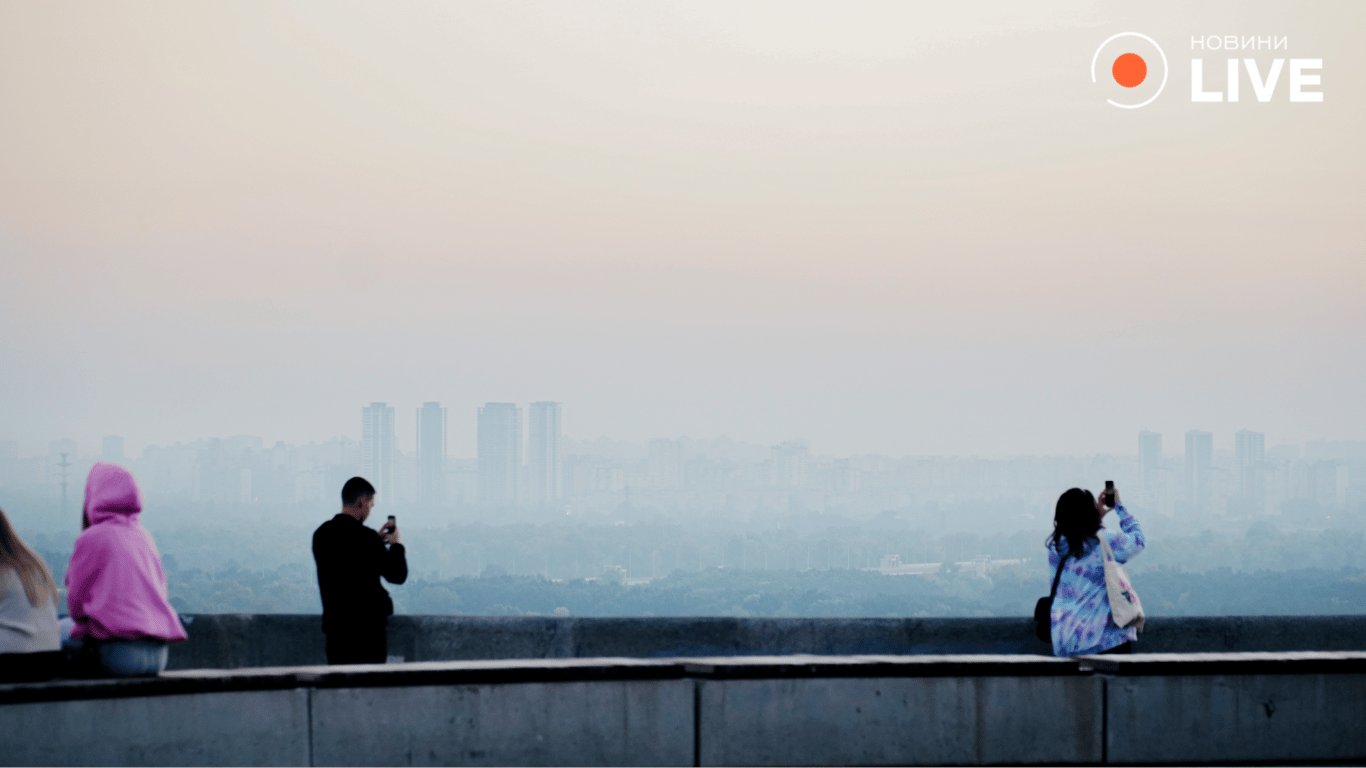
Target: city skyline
<point x="1251" y="442"/>
<point x="682" y="478"/>
<point x="1148" y="440"/>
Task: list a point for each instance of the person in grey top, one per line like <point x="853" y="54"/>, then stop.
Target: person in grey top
<point x="30" y="638"/>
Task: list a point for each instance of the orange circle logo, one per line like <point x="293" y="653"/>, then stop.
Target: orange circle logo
<point x="1132" y="59"/>
<point x="1130" y="70"/>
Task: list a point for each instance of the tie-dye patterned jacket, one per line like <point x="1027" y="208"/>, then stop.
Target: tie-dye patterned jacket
<point x="1081" y="609"/>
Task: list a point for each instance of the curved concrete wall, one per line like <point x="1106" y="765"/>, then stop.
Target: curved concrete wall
<point x="227" y="641"/>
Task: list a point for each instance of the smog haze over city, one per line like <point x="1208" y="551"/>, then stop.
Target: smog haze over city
<point x="615" y="291"/>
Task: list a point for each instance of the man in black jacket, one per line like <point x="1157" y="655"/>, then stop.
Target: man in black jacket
<point x="351" y="559"/>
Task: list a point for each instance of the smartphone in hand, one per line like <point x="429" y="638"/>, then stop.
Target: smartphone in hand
<point x="1107" y="498"/>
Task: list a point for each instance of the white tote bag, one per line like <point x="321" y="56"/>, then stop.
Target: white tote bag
<point x="1124" y="603"/>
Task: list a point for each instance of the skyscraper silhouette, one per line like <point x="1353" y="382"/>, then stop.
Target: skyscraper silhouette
<point x="377" y="448"/>
<point x="789" y="464"/>
<point x="666" y="462"/>
<point x="1200" y="470"/>
<point x="431" y="454"/>
<point x="500" y="453"/>
<point x="1251" y="457"/>
<point x="543" y="454"/>
<point x="112" y="449"/>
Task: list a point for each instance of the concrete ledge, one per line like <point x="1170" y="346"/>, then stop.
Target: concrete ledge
<point x="1236" y="718"/>
<point x="637" y="722"/>
<point x="1196" y="664"/>
<point x="796" y="710"/>
<point x="254" y="727"/>
<point x="267" y="640"/>
<point x="901" y="721"/>
<point x="514" y="671"/>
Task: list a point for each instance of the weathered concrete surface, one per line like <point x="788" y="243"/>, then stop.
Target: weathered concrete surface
<point x="232" y="640"/>
<point x="1236" y="718"/>
<point x="230" y="728"/>
<point x="798" y="709"/>
<point x="1263" y="707"/>
<point x="648" y="722"/>
<point x="902" y="721"/>
<point x="1243" y="634"/>
<point x="228" y="641"/>
<point x="460" y="638"/>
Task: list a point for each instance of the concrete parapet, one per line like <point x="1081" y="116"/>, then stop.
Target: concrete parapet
<point x="1241" y="708"/>
<point x="761" y="710"/>
<point x="253" y="640"/>
<point x="263" y="727"/>
<point x="608" y="722"/>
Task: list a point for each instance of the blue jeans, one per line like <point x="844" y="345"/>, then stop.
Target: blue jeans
<point x="131" y="658"/>
<point x="116" y="658"/>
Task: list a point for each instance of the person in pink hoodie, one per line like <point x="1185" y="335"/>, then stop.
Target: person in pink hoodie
<point x="116" y="589"/>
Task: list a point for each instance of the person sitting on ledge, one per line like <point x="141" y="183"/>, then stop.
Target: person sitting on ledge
<point x="1080" y="619"/>
<point x="121" y="621"/>
<point x="30" y="640"/>
<point x="351" y="560"/>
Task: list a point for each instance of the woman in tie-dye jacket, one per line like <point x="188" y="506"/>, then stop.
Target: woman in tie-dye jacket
<point x="1081" y="610"/>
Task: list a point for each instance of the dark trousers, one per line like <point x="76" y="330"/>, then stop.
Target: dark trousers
<point x="1127" y="647"/>
<point x="364" y="645"/>
<point x="30" y="667"/>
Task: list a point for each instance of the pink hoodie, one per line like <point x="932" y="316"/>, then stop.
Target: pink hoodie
<point x="116" y="588"/>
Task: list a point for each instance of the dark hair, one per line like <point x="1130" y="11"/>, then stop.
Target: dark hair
<point x="1076" y="520"/>
<point x="355" y="488"/>
<point x="32" y="571"/>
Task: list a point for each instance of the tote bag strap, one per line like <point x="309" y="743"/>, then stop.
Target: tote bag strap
<point x="1105" y="547"/>
<point x="1054" y="593"/>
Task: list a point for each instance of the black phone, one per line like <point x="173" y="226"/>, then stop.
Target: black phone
<point x="1108" y="498"/>
<point x="392" y="520"/>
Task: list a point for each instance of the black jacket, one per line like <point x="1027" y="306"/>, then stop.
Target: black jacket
<point x="351" y="559"/>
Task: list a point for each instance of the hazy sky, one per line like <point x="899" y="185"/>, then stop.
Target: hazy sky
<point x="884" y="227"/>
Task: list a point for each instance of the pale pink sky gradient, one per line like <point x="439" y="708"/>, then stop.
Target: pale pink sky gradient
<point x="885" y="227"/>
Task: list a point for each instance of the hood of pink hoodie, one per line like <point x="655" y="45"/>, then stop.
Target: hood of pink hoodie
<point x="116" y="587"/>
<point x="109" y="491"/>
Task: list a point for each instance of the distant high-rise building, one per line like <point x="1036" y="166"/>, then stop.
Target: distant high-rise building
<point x="666" y="463"/>
<point x="543" y="484"/>
<point x="431" y="454"/>
<point x="1200" y="469"/>
<point x="113" y="449"/>
<point x="377" y="447"/>
<point x="1250" y="447"/>
<point x="500" y="453"/>
<point x="1321" y="481"/>
<point x="1149" y="465"/>
<point x="789" y="464"/>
